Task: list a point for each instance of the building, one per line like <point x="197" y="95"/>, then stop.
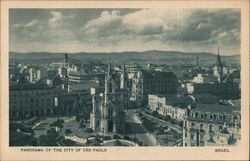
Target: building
<point x="36" y="74"/>
<point x="173" y="106"/>
<point x="80" y="77"/>
<point x="212" y="125"/>
<point x="29" y="100"/>
<point x="75" y="94"/>
<point x="32" y="75"/>
<point x="203" y="78"/>
<point x="42" y="74"/>
<point x="224" y="90"/>
<point x="155" y="82"/>
<point x="205" y="98"/>
<point x="108" y="116"/>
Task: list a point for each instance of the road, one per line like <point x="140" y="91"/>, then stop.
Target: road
<point x="164" y="123"/>
<point x="136" y="129"/>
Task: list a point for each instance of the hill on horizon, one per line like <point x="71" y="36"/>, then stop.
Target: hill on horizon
<point x="152" y="56"/>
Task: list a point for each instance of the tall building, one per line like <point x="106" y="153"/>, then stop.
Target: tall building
<point x="108" y="116"/>
<point x="155" y="82"/>
<point x="29" y="100"/>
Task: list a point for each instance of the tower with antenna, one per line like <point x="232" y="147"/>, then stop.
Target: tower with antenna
<point x="197" y="61"/>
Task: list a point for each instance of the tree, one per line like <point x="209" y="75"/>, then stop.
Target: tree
<point x="68" y="131"/>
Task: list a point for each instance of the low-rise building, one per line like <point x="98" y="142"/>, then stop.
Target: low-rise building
<point x="170" y="105"/>
<point x="203" y="78"/>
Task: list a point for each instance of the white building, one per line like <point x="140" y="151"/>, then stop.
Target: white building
<point x="170" y="105"/>
<point x="202" y="78"/>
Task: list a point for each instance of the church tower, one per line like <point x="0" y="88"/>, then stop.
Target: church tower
<point x="219" y="66"/>
<point x="109" y="111"/>
<point x="108" y="115"/>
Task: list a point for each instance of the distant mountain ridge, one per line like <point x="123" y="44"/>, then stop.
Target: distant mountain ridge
<point x="153" y="56"/>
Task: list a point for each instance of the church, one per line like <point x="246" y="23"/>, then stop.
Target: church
<point x="108" y="116"/>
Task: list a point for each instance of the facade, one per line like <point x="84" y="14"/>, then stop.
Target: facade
<point x="78" y="77"/>
<point x="153" y="82"/>
<point x="170" y="105"/>
<point x="75" y="94"/>
<point x="29" y="100"/>
<point x="212" y="125"/>
<point x="108" y="116"/>
<point x="202" y="78"/>
<point x="36" y="74"/>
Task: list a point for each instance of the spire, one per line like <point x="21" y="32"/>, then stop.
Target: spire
<point x="109" y="67"/>
<point x="219" y="64"/>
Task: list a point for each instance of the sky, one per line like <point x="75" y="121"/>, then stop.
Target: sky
<point x="117" y="30"/>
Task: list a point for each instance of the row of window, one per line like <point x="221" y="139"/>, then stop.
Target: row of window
<point x="221" y="117"/>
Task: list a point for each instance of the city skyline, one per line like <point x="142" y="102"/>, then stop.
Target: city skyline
<point x="118" y="30"/>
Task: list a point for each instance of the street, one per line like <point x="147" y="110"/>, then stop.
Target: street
<point x="136" y="129"/>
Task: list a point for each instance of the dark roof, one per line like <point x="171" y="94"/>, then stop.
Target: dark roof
<point x="205" y="95"/>
<point x="153" y="74"/>
<point x="213" y="108"/>
<point x="29" y="86"/>
<point x="83" y="85"/>
<point x="174" y="100"/>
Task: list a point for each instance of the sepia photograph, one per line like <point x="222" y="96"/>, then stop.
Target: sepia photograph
<point x="129" y="77"/>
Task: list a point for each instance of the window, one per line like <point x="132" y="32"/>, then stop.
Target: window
<point x="211" y="117"/>
<point x="110" y="88"/>
<point x="201" y="126"/>
<point x="110" y="112"/>
<point x="205" y="115"/>
<point x="196" y="114"/>
<point x="210" y="128"/>
<point x="220" y="127"/>
<point x="97" y="123"/>
<point x="192" y="136"/>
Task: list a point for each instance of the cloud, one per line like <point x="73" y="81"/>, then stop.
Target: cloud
<point x="164" y="29"/>
<point x="143" y="22"/>
<point x="182" y="25"/>
<point x="55" y="19"/>
<point x="29" y="24"/>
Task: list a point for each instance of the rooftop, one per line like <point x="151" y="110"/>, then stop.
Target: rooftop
<point x="29" y="86"/>
<point x="205" y="95"/>
<point x="83" y="86"/>
<point x="147" y="74"/>
<point x="213" y="108"/>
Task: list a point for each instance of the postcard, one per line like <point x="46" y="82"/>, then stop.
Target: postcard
<point x="124" y="80"/>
